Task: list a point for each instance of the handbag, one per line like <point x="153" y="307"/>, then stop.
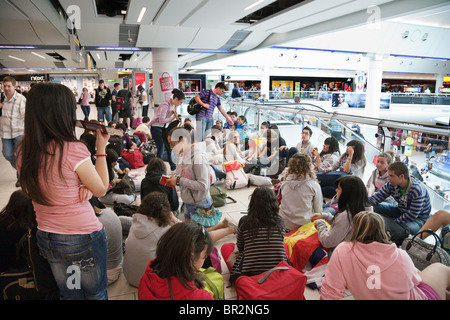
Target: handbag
<point x="194" y="107"/>
<point x="282" y="282"/>
<point x="125" y="186"/>
<point x="423" y="253"/>
<point x="134" y="157"/>
<point x="219" y="196"/>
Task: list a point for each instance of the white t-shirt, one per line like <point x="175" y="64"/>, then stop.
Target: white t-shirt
<point x="144" y="95"/>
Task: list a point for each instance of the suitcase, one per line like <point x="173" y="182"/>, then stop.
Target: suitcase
<point x="282" y="282"/>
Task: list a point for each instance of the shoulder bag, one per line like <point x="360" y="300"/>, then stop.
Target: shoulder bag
<point x="423" y="253"/>
<point x="194" y="107"/>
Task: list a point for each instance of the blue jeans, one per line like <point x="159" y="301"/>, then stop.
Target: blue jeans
<point x="205" y="126"/>
<point x="391" y="210"/>
<point x="78" y="263"/>
<point x="104" y="112"/>
<point x="86" y="111"/>
<point x="8" y="146"/>
<point x="157" y="137"/>
<point x="189" y="209"/>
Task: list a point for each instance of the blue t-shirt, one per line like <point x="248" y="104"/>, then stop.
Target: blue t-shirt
<point x="114" y="94"/>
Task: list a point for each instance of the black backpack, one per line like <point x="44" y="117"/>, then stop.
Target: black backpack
<point x="122" y="99"/>
<point x="194" y="108"/>
<point x="35" y="282"/>
<point x="122" y="209"/>
<point x="115" y="143"/>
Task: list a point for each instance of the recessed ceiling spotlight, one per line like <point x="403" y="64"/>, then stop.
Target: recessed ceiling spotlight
<point x="425" y="37"/>
<point x="405" y="34"/>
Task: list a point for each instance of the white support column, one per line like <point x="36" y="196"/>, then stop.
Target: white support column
<point x="374" y="79"/>
<point x="164" y="73"/>
<point x="439" y="82"/>
<point x="265" y="82"/>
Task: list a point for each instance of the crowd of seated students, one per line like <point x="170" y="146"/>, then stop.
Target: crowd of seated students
<point x="163" y="253"/>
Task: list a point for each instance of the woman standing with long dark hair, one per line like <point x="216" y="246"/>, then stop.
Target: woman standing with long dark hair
<point x="57" y="173"/>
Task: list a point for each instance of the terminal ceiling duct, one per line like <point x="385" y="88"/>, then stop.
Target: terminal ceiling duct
<point x="269" y="10"/>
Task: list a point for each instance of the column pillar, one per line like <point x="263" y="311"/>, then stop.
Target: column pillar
<point x="164" y="73"/>
<point x="265" y="82"/>
<point x="374" y="79"/>
<point x="439" y="82"/>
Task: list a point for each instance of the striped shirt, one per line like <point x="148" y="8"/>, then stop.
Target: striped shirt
<point x="214" y="101"/>
<point x="257" y="255"/>
<point x="13" y="117"/>
<point x="414" y="203"/>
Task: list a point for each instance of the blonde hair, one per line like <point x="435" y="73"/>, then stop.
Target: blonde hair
<point x="300" y="165"/>
<point x="369" y="227"/>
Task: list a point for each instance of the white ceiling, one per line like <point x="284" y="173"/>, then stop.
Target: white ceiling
<point x="359" y="26"/>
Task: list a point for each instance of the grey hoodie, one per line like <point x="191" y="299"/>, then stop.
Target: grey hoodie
<point x="140" y="246"/>
<point x="193" y="168"/>
<point x="300" y="199"/>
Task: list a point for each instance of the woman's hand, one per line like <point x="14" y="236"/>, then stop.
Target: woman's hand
<point x="172" y="181"/>
<point x="316" y="216"/>
<point x="85" y="194"/>
<point x="102" y="140"/>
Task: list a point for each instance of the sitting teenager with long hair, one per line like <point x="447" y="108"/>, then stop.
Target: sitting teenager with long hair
<point x="173" y="274"/>
<point x="373" y="268"/>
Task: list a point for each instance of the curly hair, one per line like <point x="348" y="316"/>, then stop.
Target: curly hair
<point x="156" y="205"/>
<point x="300" y="165"/>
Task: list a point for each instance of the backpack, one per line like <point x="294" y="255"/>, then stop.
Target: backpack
<point x="120" y="100"/>
<point x="214" y="282"/>
<point x="134" y="157"/>
<point x="194" y="108"/>
<point x="135" y="138"/>
<point x="120" y="103"/>
<point x="136" y="122"/>
<point x="122" y="209"/>
<point x="115" y="143"/>
<point x="141" y="135"/>
<point x="33" y="283"/>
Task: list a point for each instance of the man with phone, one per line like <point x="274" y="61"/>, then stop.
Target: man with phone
<point x="12" y="120"/>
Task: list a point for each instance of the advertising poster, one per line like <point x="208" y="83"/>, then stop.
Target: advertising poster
<point x="166" y="84"/>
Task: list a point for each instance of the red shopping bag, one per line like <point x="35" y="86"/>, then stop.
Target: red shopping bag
<point x="282" y="282"/>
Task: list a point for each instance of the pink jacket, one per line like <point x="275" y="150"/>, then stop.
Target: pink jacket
<point x="372" y="271"/>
